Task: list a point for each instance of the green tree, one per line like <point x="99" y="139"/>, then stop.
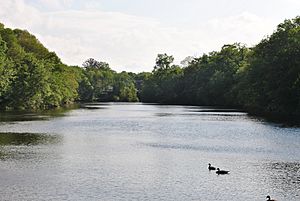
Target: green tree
<point x="271" y="83"/>
<point x="28" y="87"/>
<point x="124" y="88"/>
<point x="94" y="64"/>
<point x="163" y="61"/>
<point x="162" y="86"/>
<point x="6" y="73"/>
<point x="31" y="76"/>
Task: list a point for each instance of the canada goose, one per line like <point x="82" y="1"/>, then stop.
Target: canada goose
<point x="221" y="171"/>
<point x="211" y="167"/>
<point x="269" y="198"/>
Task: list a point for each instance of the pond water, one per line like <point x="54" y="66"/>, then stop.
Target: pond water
<point x="110" y="151"/>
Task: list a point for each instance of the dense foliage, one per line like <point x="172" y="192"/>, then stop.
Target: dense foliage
<point x="264" y="79"/>
<point x="271" y="83"/>
<point x="31" y="76"/>
<point x="100" y="83"/>
<point x="34" y="78"/>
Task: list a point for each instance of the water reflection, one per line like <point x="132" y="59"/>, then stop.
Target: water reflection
<point x="28" y="139"/>
<point x="218" y="110"/>
<point x="164" y="114"/>
<point x="284" y="176"/>
<point x="94" y="106"/>
<point x="208" y="148"/>
<point x="30" y="147"/>
<point x="97" y="104"/>
<point x="14" y="116"/>
<point x="21" y="116"/>
<point x="147" y="152"/>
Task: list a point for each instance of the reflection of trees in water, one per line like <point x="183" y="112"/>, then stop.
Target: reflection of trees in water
<point x="28" y="139"/>
<point x="18" y="146"/>
<point x="284" y="176"/>
<point x="7" y="116"/>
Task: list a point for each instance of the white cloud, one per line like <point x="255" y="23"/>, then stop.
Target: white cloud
<point x="54" y="4"/>
<point x="16" y="13"/>
<point x="245" y="27"/>
<point x="127" y="42"/>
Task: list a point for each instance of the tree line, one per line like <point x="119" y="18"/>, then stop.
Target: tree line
<point x="263" y="79"/>
<point x="32" y="77"/>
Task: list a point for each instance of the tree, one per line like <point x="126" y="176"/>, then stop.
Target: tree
<point x="94" y="64"/>
<point x="162" y="86"/>
<point x="31" y="76"/>
<point x="6" y="72"/>
<point x="124" y="88"/>
<point x="163" y="61"/>
<point x="29" y="85"/>
<point x="271" y="82"/>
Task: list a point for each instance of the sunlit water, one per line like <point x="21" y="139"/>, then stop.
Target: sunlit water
<point x="146" y="152"/>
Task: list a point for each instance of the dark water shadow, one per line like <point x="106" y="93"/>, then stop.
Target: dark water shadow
<point x="12" y="116"/>
<point x="28" y="139"/>
<point x="213" y="112"/>
<point x="27" y="146"/>
<point x="274" y="120"/>
<point x="281" y="121"/>
<point x="215" y="149"/>
<point x="96" y="104"/>
<point x="216" y="114"/>
<point x="93" y="107"/>
<point x="21" y="116"/>
<point x="164" y="114"/>
<point x="218" y="110"/>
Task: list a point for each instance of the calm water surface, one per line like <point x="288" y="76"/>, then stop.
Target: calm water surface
<point x="146" y="152"/>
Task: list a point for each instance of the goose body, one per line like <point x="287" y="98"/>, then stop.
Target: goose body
<point x="269" y="198"/>
<point x="221" y="171"/>
<point x="211" y="167"/>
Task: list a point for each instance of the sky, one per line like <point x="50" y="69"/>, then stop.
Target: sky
<point x="128" y="34"/>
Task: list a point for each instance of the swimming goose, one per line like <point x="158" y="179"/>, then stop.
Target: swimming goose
<point x="269" y="198"/>
<point x="221" y="171"/>
<point x="211" y="167"/>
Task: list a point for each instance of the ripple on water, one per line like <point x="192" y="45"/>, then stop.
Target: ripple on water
<point x="147" y="152"/>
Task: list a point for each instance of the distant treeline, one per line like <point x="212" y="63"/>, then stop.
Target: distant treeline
<point x="264" y="79"/>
